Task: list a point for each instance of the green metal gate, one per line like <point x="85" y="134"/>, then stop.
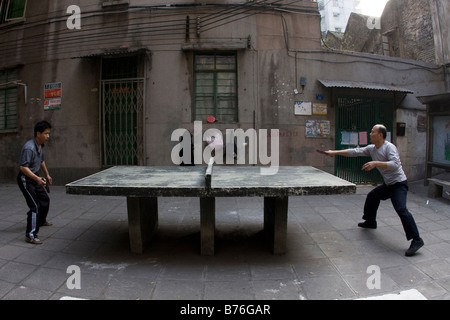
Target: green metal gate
<point x="355" y="118"/>
<point x="123" y="102"/>
<point x="122" y="111"/>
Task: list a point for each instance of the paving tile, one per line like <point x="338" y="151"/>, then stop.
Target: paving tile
<point x="407" y="276"/>
<point x="26" y="293"/>
<point x="229" y="290"/>
<point x="432" y="290"/>
<point x="340" y="249"/>
<point x="228" y="271"/>
<point x="183" y="290"/>
<point x="92" y="285"/>
<point x="47" y="279"/>
<point x="327" y="257"/>
<point x="315" y="268"/>
<point x="364" y="286"/>
<point x="15" y="272"/>
<point x="277" y="290"/>
<point x="5" y="287"/>
<point x="11" y="251"/>
<point x="123" y="288"/>
<point x="270" y="271"/>
<point x="441" y="250"/>
<point x="436" y="269"/>
<point x="35" y="257"/>
<point x="326" y="288"/>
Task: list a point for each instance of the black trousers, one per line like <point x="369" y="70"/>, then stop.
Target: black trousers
<point x="37" y="200"/>
<point x="397" y="193"/>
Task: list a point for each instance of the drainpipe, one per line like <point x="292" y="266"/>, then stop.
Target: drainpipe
<point x="447" y="76"/>
<point x="25" y="88"/>
<point x="17" y="83"/>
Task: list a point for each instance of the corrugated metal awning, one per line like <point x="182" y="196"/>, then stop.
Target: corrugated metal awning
<point x="362" y="85"/>
<point x="117" y="52"/>
<point x="216" y="45"/>
<point x="437" y="98"/>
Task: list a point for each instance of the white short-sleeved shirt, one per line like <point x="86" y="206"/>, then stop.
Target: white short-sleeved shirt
<point x="386" y="153"/>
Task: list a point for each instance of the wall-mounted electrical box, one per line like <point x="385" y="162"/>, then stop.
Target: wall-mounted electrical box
<point x="401" y="129"/>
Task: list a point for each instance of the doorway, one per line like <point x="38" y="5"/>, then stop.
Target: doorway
<point x="355" y="118"/>
<point x="122" y="111"/>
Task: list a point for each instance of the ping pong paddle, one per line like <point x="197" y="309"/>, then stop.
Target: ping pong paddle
<point x="321" y="152"/>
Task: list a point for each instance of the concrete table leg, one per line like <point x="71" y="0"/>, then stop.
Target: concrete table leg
<point x="207" y="225"/>
<point x="142" y="221"/>
<point x="275" y="222"/>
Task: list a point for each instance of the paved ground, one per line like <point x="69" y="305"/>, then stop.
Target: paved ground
<point x="328" y="257"/>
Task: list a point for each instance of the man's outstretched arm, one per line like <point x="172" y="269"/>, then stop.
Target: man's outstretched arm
<point x="332" y="153"/>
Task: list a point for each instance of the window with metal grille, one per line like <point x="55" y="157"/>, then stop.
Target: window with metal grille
<point x="8" y="99"/>
<point x="215" y="92"/>
<point x="11" y="10"/>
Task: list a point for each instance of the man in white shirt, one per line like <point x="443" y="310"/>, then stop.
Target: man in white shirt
<point x="395" y="187"/>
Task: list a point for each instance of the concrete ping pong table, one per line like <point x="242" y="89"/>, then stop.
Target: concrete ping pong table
<point x="142" y="185"/>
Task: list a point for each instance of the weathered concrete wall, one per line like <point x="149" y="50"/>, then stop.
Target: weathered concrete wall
<point x="282" y="47"/>
<point x="408" y="25"/>
<point x="296" y="149"/>
<point x="440" y="10"/>
<point x="74" y="142"/>
<point x="412" y="147"/>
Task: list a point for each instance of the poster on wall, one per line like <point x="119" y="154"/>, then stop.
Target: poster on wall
<point x="349" y="138"/>
<point x="52" y="95"/>
<point x="317" y="128"/>
<point x="363" y="138"/>
<point x="302" y="108"/>
<point x="320" y="109"/>
<point x="358" y="138"/>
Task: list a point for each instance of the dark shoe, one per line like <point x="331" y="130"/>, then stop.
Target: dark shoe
<point x="34" y="240"/>
<point x="46" y="224"/>
<point x="415" y="245"/>
<point x="368" y="224"/>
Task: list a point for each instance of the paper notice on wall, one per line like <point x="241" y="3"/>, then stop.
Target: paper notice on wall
<point x="52" y="95"/>
<point x="349" y="138"/>
<point x="354" y="137"/>
<point x="317" y="128"/>
<point x="345" y="137"/>
<point x="302" y="108"/>
<point x="320" y="109"/>
<point x="363" y="138"/>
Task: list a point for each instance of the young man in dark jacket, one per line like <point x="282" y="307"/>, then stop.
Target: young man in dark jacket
<point x="31" y="184"/>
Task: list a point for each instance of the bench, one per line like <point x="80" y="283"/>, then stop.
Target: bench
<point x="438" y="188"/>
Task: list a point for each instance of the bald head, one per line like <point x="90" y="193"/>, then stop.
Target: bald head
<point x="381" y="129"/>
